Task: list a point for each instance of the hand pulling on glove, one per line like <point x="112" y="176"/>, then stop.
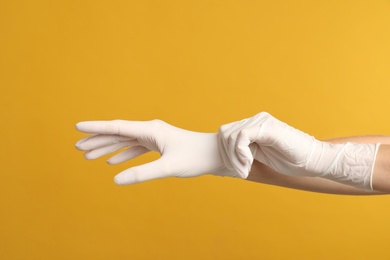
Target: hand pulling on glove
<point x="293" y="152"/>
<point x="183" y="153"/>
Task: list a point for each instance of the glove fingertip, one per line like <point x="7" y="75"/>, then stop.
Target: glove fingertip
<point x="242" y="171"/>
<point x="118" y="181"/>
<point x="80" y="126"/>
<point x="123" y="179"/>
<point x="110" y="162"/>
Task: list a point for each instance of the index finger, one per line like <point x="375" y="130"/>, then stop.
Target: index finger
<point x="114" y="127"/>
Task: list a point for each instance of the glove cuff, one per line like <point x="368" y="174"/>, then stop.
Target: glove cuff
<point x="354" y="165"/>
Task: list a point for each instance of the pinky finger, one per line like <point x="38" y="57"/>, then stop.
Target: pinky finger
<point x="128" y="154"/>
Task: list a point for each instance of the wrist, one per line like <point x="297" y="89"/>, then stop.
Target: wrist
<point x="221" y="161"/>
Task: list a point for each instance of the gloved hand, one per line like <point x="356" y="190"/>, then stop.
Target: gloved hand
<point x="293" y="152"/>
<point x="183" y="153"/>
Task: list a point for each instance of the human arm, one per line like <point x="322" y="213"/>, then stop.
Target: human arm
<point x="261" y="173"/>
<point x="295" y="153"/>
<point x="109" y="136"/>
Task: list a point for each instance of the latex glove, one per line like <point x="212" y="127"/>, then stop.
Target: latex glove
<point x="183" y="153"/>
<point x="293" y="152"/>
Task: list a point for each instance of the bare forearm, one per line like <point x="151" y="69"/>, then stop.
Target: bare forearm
<point x="369" y="139"/>
<point x="263" y="174"/>
<point x="381" y="174"/>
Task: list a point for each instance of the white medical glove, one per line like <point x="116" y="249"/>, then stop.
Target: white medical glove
<point x="183" y="153"/>
<point x="293" y="152"/>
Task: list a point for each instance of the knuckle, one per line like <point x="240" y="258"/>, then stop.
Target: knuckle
<point x="222" y="129"/>
<point x="226" y="136"/>
<point x="222" y="132"/>
<point x="115" y="126"/>
<point x="264" y="114"/>
<point x="157" y="122"/>
<point x="160" y="128"/>
<point x="118" y="121"/>
<point x="135" y="174"/>
<point x="263" y="117"/>
<point x="231" y="139"/>
<point x="243" y="134"/>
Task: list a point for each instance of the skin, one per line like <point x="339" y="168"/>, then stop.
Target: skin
<point x="381" y="175"/>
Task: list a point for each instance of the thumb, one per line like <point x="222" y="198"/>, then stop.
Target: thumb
<point x="141" y="173"/>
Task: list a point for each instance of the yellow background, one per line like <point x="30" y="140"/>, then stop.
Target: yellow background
<point x="321" y="66"/>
